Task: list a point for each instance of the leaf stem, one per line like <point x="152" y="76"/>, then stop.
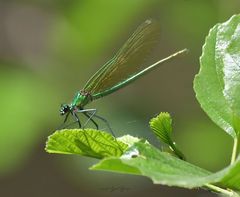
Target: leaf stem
<point x="217" y="189"/>
<point x="177" y="152"/>
<point x="235" y="149"/>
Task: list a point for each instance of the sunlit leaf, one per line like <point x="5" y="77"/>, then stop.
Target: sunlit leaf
<point x="128" y="139"/>
<point x="217" y="85"/>
<point x="162" y="128"/>
<point x="87" y="142"/>
<point x="162" y="168"/>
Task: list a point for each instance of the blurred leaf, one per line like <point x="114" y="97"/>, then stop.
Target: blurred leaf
<point x="87" y="142"/>
<point x="217" y="85"/>
<point x="23" y="107"/>
<point x="204" y="143"/>
<point x="89" y="26"/>
<point x="191" y="12"/>
<point x="162" y="168"/>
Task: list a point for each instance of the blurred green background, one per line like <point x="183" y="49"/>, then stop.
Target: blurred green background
<point x="48" y="49"/>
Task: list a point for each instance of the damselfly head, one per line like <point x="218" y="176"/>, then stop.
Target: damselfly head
<point x="65" y="108"/>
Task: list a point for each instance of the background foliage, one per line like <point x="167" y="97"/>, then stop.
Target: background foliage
<point x="48" y="49"/>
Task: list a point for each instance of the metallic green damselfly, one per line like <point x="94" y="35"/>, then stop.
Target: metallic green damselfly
<point x="126" y="66"/>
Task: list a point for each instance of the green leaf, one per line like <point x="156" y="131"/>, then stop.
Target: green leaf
<point x="228" y="56"/>
<point x="139" y="159"/>
<point x="162" y="128"/>
<point x="217" y="85"/>
<point x="87" y="142"/>
<point x="162" y="168"/>
<point x="231" y="178"/>
<point x="128" y="139"/>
